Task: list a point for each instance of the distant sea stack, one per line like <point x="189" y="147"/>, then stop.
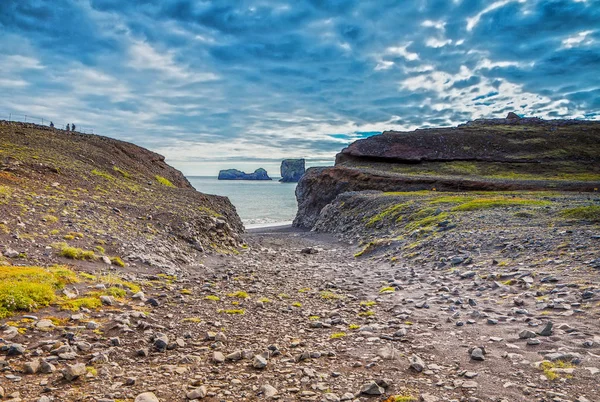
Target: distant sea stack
<point x="292" y="170"/>
<point x="234" y="174"/>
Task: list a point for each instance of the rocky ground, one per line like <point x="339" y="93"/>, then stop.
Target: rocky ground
<point x="496" y="308"/>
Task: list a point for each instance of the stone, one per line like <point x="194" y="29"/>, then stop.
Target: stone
<point x="197" y="393"/>
<point x="107" y="300"/>
<point x="547" y="330"/>
<point x="477" y="354"/>
<point x="416" y="363"/>
<point x="259" y="362"/>
<point x="527" y="334"/>
<point x="10" y="253"/>
<point x="15" y="349"/>
<point x="428" y="398"/>
<point x="71" y="373"/>
<point x="372" y="389"/>
<point x="268" y="391"/>
<point x="146" y="397"/>
<point x="32" y="367"/>
<point x="161" y="342"/>
<point x="43" y="324"/>
<point x="46" y="367"/>
<point x="218" y="357"/>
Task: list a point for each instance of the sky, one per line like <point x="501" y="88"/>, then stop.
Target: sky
<point x="246" y="83"/>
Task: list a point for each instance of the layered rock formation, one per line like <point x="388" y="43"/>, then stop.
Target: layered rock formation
<point x="292" y="170"/>
<point x="492" y="154"/>
<point x="234" y="174"/>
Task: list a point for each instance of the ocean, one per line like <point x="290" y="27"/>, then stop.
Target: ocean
<point x="258" y="202"/>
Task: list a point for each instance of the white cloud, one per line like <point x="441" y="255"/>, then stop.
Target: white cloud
<point x="473" y="21"/>
<point x="401" y="51"/>
<point x="581" y="39"/>
<point x="142" y="56"/>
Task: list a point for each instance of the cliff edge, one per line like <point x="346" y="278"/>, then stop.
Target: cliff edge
<point x="486" y="155"/>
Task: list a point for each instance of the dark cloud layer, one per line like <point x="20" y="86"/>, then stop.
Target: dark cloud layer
<point x="276" y="78"/>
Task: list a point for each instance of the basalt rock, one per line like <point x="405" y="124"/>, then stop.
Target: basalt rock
<point x="292" y="170"/>
<point x="234" y="174"/>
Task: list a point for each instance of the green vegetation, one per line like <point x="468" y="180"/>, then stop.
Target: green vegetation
<point x="117" y="261"/>
<point x="240" y="294"/>
<point x="487" y="203"/>
<point x="368" y="313"/>
<point x="212" y="298"/>
<point x="326" y="295"/>
<point x="209" y="211"/>
<point x="75" y="253"/>
<point x="353" y="326"/>
<point x="548" y="368"/>
<point x="368" y="303"/>
<point x="337" y="335"/>
<point x="29" y="288"/>
<point x="102" y="174"/>
<point x="83" y="302"/>
<point x="122" y="172"/>
<point x="163" y="181"/>
<point x="233" y="312"/>
<point x="297" y="304"/>
<point x="387" y="289"/>
<point x="392" y="211"/>
<point x="589" y="213"/>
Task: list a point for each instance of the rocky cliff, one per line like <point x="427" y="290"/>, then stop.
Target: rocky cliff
<point x="62" y="190"/>
<point x="292" y="170"/>
<point x="234" y="174"/>
<point x="491" y="154"/>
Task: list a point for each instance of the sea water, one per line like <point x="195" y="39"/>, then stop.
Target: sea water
<point x="258" y="202"/>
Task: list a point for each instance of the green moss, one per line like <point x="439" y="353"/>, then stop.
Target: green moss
<point x="589" y="213"/>
<point x="240" y="294"/>
<point x="163" y="181"/>
<point x="212" y="298"/>
<point x="297" y="304"/>
<point x="353" y="326"/>
<point x="115" y="292"/>
<point x="330" y="295"/>
<point x="50" y="218"/>
<point x="29" y="288"/>
<point x="387" y="289"/>
<point x="488" y="203"/>
<point x="391" y="211"/>
<point x="210" y="212"/>
<point x="83" y="302"/>
<point x="117" y="261"/>
<point x="122" y="172"/>
<point x="233" y="312"/>
<point x="75" y="253"/>
<point x="102" y="174"/>
<point x="368" y="313"/>
<point x="368" y="303"/>
<point x="337" y="335"/>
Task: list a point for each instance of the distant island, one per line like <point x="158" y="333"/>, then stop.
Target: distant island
<point x="292" y="170"/>
<point x="234" y="174"/>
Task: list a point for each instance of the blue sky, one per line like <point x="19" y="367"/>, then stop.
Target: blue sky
<point x="216" y="84"/>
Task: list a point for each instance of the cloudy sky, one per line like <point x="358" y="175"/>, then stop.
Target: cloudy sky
<point x="224" y="83"/>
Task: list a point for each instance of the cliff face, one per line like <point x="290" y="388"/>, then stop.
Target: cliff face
<point x="111" y="192"/>
<point x="234" y="174"/>
<point x="498" y="154"/>
<point x="292" y="170"/>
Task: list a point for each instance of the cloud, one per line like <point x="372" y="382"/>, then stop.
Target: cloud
<point x="268" y="79"/>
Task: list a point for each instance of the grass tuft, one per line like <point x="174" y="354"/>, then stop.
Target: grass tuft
<point x="588" y="213"/>
<point x="163" y="181"/>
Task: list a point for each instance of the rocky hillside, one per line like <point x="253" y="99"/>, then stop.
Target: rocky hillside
<point x="63" y="193"/>
<point x="487" y="155"/>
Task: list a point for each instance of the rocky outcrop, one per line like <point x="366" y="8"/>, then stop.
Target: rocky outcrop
<point x="292" y="170"/>
<point x="234" y="174"/>
<point x="115" y="193"/>
<point x="487" y="155"/>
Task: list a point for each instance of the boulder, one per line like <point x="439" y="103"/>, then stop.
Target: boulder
<point x="234" y="174"/>
<point x="292" y="170"/>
